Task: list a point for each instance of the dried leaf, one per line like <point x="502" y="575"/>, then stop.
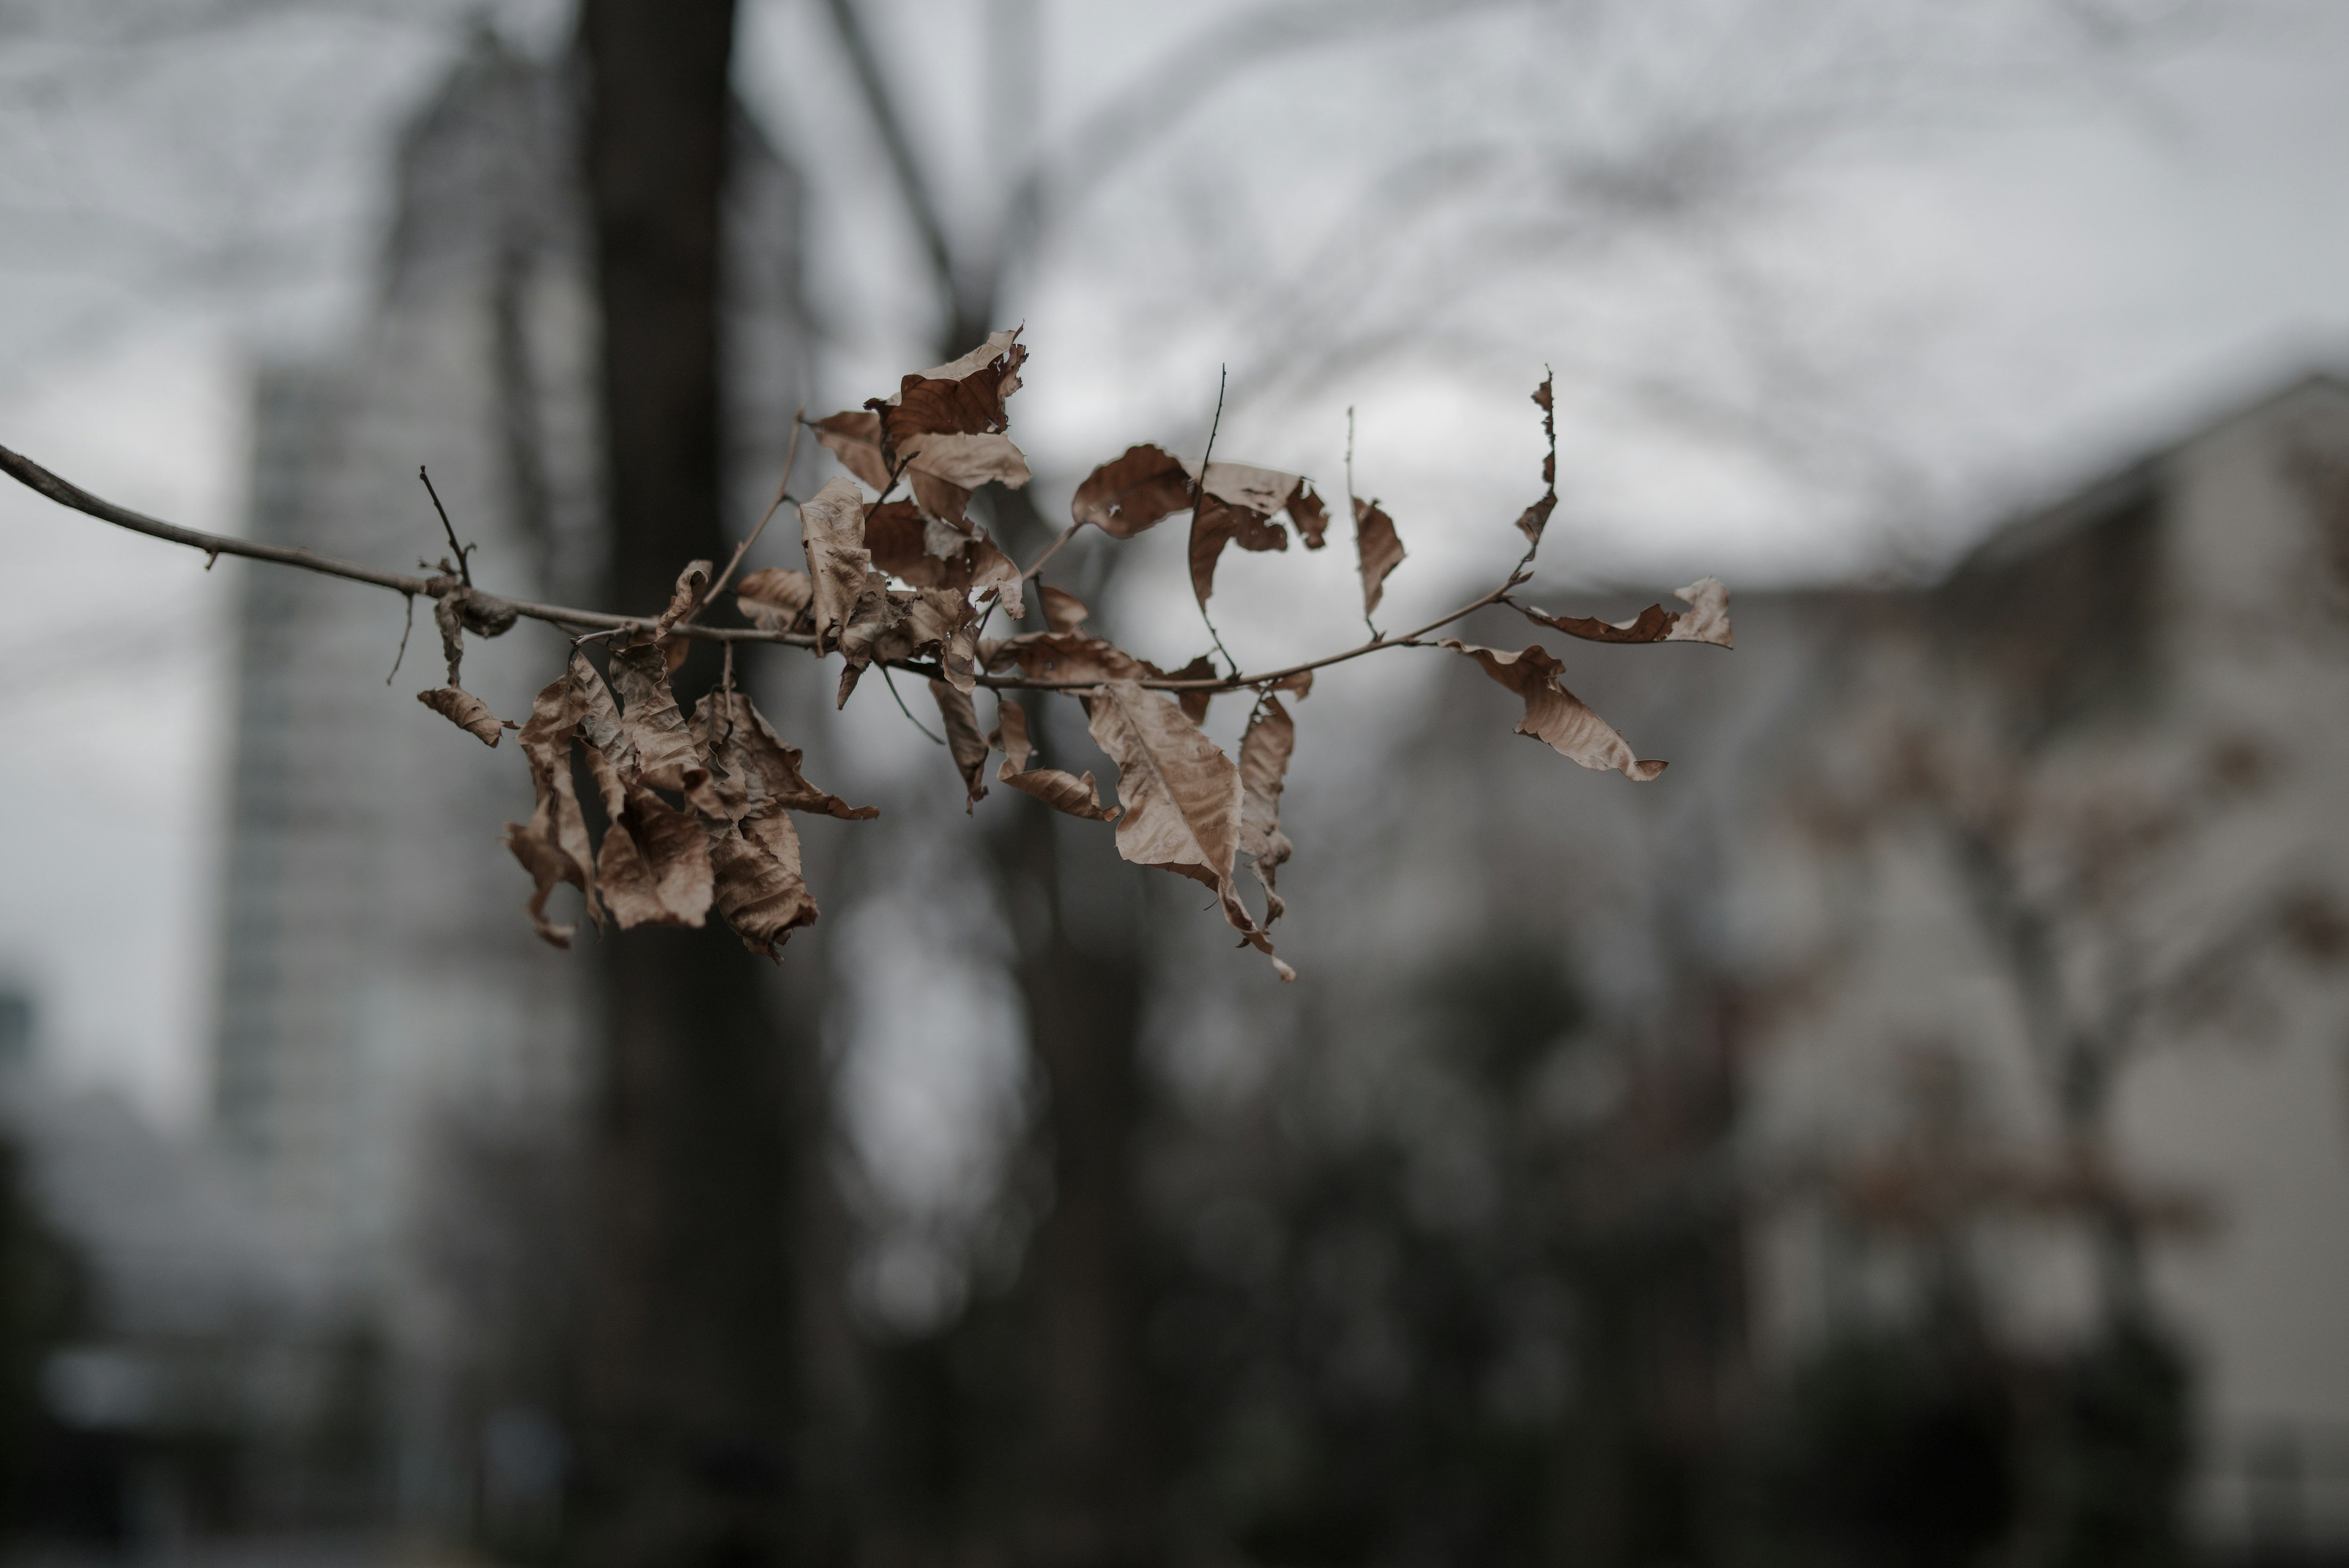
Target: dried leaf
<point x="1300" y="683"/>
<point x="1194" y="703"/>
<point x="1070" y="658"/>
<point x="1262" y="491"/>
<point x="1265" y="751"/>
<point x="774" y="597"/>
<point x="1707" y="619"/>
<point x="1535" y="518"/>
<point x="832" y="530"/>
<point x="1218" y="523"/>
<point x="467" y="712"/>
<point x="1312" y="517"/>
<point x="654" y="867"/>
<point x="663" y="754"/>
<point x="1124" y="496"/>
<point x="1377" y="549"/>
<point x="1555" y="715"/>
<point x="967" y="461"/>
<point x="740" y="740"/>
<point x="1181" y="795"/>
<point x="1063" y="611"/>
<point x="691" y="583"/>
<point x="553" y="846"/>
<point x="759" y="889"/>
<point x="854" y="438"/>
<point x="1060" y="791"/>
<point x="962" y="397"/>
<point x="963" y="740"/>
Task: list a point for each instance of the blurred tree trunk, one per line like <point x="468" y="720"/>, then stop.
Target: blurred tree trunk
<point x="1092" y="1501"/>
<point x="687" y="1393"/>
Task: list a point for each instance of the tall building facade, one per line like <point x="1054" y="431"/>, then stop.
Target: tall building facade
<point x="376" y="969"/>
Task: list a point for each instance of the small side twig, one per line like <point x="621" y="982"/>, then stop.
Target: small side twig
<point x="924" y="729"/>
<point x="464" y="565"/>
<point x="782" y="494"/>
<point x="1050" y="550"/>
<point x="406" y="627"/>
<point x="1199" y="495"/>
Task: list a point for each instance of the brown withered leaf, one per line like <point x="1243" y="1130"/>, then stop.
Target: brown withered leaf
<point x="1300" y="684"/>
<point x="1063" y="611"/>
<point x="1218" y="523"/>
<point x="553" y="846"/>
<point x="739" y="740"/>
<point x="754" y="850"/>
<point x="1262" y="491"/>
<point x="1555" y="715"/>
<point x="774" y="597"/>
<point x="1181" y="795"/>
<point x="1535" y="518"/>
<point x="896" y="538"/>
<point x="854" y="438"/>
<point x="1377" y="549"/>
<point x="759" y="889"/>
<point x="1060" y="791"/>
<point x="1192" y="702"/>
<point x="966" y="460"/>
<point x="691" y="583"/>
<point x="967" y="746"/>
<point x="962" y="397"/>
<point x="654" y="867"/>
<point x="661" y="752"/>
<point x="1706" y="619"/>
<point x="467" y="712"/>
<point x="1071" y="657"/>
<point x="1265" y="751"/>
<point x="832" y="530"/>
<point x="1312" y="517"/>
<point x="1130" y="493"/>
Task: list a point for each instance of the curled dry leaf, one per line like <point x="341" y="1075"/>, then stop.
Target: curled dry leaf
<point x="1133" y="493"/>
<point x="1194" y="703"/>
<point x="1706" y="619"/>
<point x="1063" y="611"/>
<point x="1377" y="549"/>
<point x="1238" y="506"/>
<point x="854" y="438"/>
<point x="553" y="846"/>
<point x="654" y="867"/>
<point x="1555" y="715"/>
<point x="962" y="397"/>
<point x="1265" y="751"/>
<point x="1065" y="658"/>
<point x="773" y="598"/>
<point x="691" y="583"/>
<point x="1535" y="518"/>
<point x="1300" y="683"/>
<point x="1181" y="795"/>
<point x="963" y="742"/>
<point x="467" y="712"/>
<point x="832" y="530"/>
<point x="661" y="752"/>
<point x="754" y="850"/>
<point x="1060" y="791"/>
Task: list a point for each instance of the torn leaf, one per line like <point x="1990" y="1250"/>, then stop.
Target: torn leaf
<point x="1377" y="549"/>
<point x="1060" y="791"/>
<point x="1265" y="751"/>
<point x="1555" y="715"/>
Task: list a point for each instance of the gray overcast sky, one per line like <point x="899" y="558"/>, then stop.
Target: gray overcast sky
<point x="1986" y="307"/>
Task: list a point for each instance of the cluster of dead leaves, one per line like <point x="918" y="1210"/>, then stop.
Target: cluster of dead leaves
<point x="696" y="810"/>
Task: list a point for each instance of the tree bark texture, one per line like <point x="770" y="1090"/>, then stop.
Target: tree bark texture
<point x="688" y="1391"/>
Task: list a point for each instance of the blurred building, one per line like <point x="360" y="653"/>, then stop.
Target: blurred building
<point x="378" y="981"/>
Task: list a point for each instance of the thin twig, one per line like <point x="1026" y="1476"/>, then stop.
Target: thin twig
<point x="1354" y="511"/>
<point x="464" y="567"/>
<point x="782" y="494"/>
<point x="1050" y="550"/>
<point x="405" y="627"/>
<point x="594" y="623"/>
<point x="924" y="729"/>
<point x="1199" y="495"/>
